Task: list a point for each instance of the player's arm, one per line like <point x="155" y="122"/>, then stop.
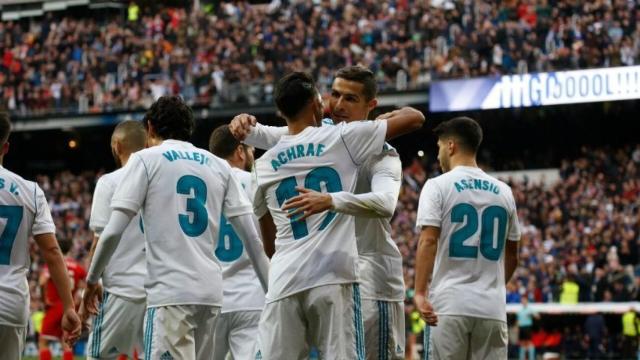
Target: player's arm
<point x="246" y="128"/>
<point x="512" y="248"/>
<point x="52" y="255"/>
<point x="107" y="245"/>
<point x="425" y="259"/>
<point x="379" y="203"/>
<point x="511" y="259"/>
<point x="244" y="226"/>
<point x="268" y="229"/>
<point x="402" y="121"/>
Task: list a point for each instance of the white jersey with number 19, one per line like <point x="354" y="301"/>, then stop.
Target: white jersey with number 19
<point x="320" y="250"/>
<point x="476" y="214"/>
<point x="182" y="191"/>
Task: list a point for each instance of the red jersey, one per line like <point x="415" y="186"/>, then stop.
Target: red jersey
<point x="77" y="273"/>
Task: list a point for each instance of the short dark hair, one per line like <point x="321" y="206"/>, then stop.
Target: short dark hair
<point x="131" y="134"/>
<point x="5" y="127"/>
<point x="293" y="92"/>
<point x="171" y="118"/>
<point x="362" y="75"/>
<point x="222" y="143"/>
<point x="65" y="244"/>
<point x="466" y="130"/>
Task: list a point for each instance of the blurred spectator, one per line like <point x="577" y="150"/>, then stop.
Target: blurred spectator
<point x="232" y="52"/>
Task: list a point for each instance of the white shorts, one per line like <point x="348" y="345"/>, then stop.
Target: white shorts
<point x="180" y="332"/>
<point x="328" y="318"/>
<point x="384" y="329"/>
<point x="236" y="332"/>
<point x="465" y="337"/>
<point x="12" y="340"/>
<point x="117" y="329"/>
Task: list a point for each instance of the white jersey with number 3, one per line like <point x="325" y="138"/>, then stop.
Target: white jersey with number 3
<point x="182" y="191"/>
<point x="320" y="250"/>
<point x="242" y="289"/>
<point x="476" y="214"/>
<point x="23" y="212"/>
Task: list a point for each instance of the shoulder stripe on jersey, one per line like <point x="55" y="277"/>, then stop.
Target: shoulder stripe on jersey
<point x="145" y="168"/>
<point x="348" y="152"/>
<point x="35" y="198"/>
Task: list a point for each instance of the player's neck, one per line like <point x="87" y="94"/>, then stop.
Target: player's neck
<point x="296" y="126"/>
<point x="463" y="161"/>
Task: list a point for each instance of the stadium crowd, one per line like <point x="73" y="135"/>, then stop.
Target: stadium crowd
<point x="582" y="230"/>
<point x="233" y="51"/>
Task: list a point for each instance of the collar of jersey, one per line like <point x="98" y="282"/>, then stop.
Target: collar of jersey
<point x="288" y="136"/>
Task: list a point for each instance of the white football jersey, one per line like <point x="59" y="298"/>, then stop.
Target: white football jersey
<point x="182" y="191"/>
<point x="124" y="275"/>
<point x="23" y="212"/>
<point x="242" y="289"/>
<point x="320" y="250"/>
<point x="476" y="214"/>
<point x="380" y="262"/>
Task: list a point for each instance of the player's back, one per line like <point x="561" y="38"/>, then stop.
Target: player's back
<point x="185" y="189"/>
<point x="23" y="212"/>
<point x="125" y="273"/>
<point x="242" y="289"/>
<point x="478" y="216"/>
<point x="320" y="250"/>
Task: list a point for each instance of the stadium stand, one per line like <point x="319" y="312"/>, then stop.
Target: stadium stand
<point x="97" y="62"/>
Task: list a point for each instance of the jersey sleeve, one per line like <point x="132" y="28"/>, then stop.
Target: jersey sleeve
<point x="259" y="200"/>
<point x="430" y="205"/>
<point x="514" y="223"/>
<point x="100" y="207"/>
<point x="235" y="199"/>
<point x="132" y="190"/>
<point x="43" y="222"/>
<point x="265" y="137"/>
<point x="363" y="139"/>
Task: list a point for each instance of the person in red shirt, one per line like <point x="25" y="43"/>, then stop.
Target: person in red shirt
<point x="52" y="322"/>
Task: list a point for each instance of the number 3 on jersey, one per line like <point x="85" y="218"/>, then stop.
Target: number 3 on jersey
<point x="195" y="205"/>
<point x="458" y="249"/>
<point x="313" y="181"/>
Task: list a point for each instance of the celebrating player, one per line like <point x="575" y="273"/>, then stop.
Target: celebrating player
<point x="118" y="328"/>
<point x="313" y="297"/>
<point x="468" y="250"/>
<point x="353" y="96"/>
<point x="237" y="329"/>
<point x="182" y="192"/>
<point x="24" y="212"/>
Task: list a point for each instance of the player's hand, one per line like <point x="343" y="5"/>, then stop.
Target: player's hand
<point x="309" y="202"/>
<point x="71" y="327"/>
<point x="240" y="126"/>
<point x="84" y="315"/>
<point x="92" y="298"/>
<point x="426" y="310"/>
